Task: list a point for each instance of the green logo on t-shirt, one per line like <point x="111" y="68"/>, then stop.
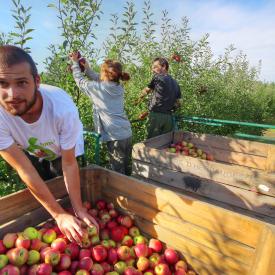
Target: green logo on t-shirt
<point x="40" y="151"/>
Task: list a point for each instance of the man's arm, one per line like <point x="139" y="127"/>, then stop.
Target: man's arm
<point x="72" y="181"/>
<point x="68" y="224"/>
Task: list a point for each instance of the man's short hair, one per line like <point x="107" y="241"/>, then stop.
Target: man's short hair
<point x="12" y="55"/>
<point x="163" y="62"/>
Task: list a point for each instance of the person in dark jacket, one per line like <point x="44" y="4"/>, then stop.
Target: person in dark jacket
<point x="165" y="97"/>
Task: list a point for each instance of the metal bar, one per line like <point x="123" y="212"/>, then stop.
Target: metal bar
<point x="254" y="137"/>
<point x="240" y="123"/>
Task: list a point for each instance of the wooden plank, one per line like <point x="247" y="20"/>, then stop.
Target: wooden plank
<point x="234" y="175"/>
<point x="242" y="159"/>
<point x="213" y="218"/>
<point x="159" y="141"/>
<point x="207" y="238"/>
<point x="270" y="162"/>
<point x="230" y="144"/>
<point x="264" y="260"/>
<point x="31" y="218"/>
<point x="21" y="202"/>
<point x="246" y="199"/>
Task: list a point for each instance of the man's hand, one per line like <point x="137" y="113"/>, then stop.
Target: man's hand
<point x="70" y="226"/>
<point x="88" y="219"/>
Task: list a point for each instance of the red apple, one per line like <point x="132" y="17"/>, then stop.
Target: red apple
<point x="3" y="249"/>
<point x="101" y="204"/>
<point x="74" y="266"/>
<point x="44" y="269"/>
<point x="130" y="270"/>
<point x="162" y="269"/>
<point x="97" y="269"/>
<point x="36" y="244"/>
<point x="141" y="250"/>
<point x="140" y="239"/>
<point x="127" y="240"/>
<point x="91" y="230"/>
<point x="156" y="245"/>
<point x="52" y="257"/>
<point x="171" y="256"/>
<point x="127" y="221"/>
<point x="123" y="253"/>
<point x="64" y="263"/>
<point x="120" y="267"/>
<point x="33" y="257"/>
<point x="59" y="244"/>
<point x="43" y="253"/>
<point x="3" y="260"/>
<point x="149" y="272"/>
<point x="18" y="256"/>
<point x="143" y="263"/>
<point x="82" y="272"/>
<point x="104" y="234"/>
<point x="117" y="233"/>
<point x="84" y="253"/>
<point x="49" y="236"/>
<point x="23" y="241"/>
<point x="106" y="267"/>
<point x="30" y="232"/>
<point x="72" y="250"/>
<point x="112" y="256"/>
<point x="10" y="270"/>
<point x="154" y="259"/>
<point x="99" y="253"/>
<point x="24" y="269"/>
<point x="85" y="263"/>
<point x="9" y="240"/>
<point x="111" y="224"/>
<point x="65" y="272"/>
<point x="113" y="213"/>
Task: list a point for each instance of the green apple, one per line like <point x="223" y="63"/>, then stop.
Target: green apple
<point x="31" y="233"/>
<point x="34" y="257"/>
<point x="3" y="260"/>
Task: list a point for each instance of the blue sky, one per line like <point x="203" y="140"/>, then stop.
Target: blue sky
<point x="249" y="25"/>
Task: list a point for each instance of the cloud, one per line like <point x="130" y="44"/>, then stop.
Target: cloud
<point x="249" y="27"/>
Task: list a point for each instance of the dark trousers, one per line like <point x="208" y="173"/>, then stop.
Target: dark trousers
<point x="46" y="169"/>
<point x="120" y="155"/>
<point x="159" y="123"/>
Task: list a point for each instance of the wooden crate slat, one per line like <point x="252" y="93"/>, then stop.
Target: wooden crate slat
<point x="264" y="260"/>
<point x="200" y="235"/>
<point x="18" y="203"/>
<point x="228" y="174"/>
<point x="242" y="159"/>
<point x="258" y="203"/>
<point x="31" y="218"/>
<point x="233" y="225"/>
<point x="226" y="143"/>
<point x="270" y="162"/>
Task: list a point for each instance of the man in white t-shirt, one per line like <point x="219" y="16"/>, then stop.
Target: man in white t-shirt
<point x="44" y="122"/>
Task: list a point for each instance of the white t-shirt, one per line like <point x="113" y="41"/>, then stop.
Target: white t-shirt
<point x="58" y="127"/>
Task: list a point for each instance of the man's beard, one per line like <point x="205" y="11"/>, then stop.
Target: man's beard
<point x="29" y="104"/>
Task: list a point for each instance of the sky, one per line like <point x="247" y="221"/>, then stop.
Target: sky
<point x="248" y="25"/>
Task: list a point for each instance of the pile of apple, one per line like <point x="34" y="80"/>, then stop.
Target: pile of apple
<point x="119" y="248"/>
<point x="189" y="149"/>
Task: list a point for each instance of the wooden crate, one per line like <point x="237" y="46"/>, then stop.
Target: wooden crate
<point x="214" y="240"/>
<point x="240" y="168"/>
